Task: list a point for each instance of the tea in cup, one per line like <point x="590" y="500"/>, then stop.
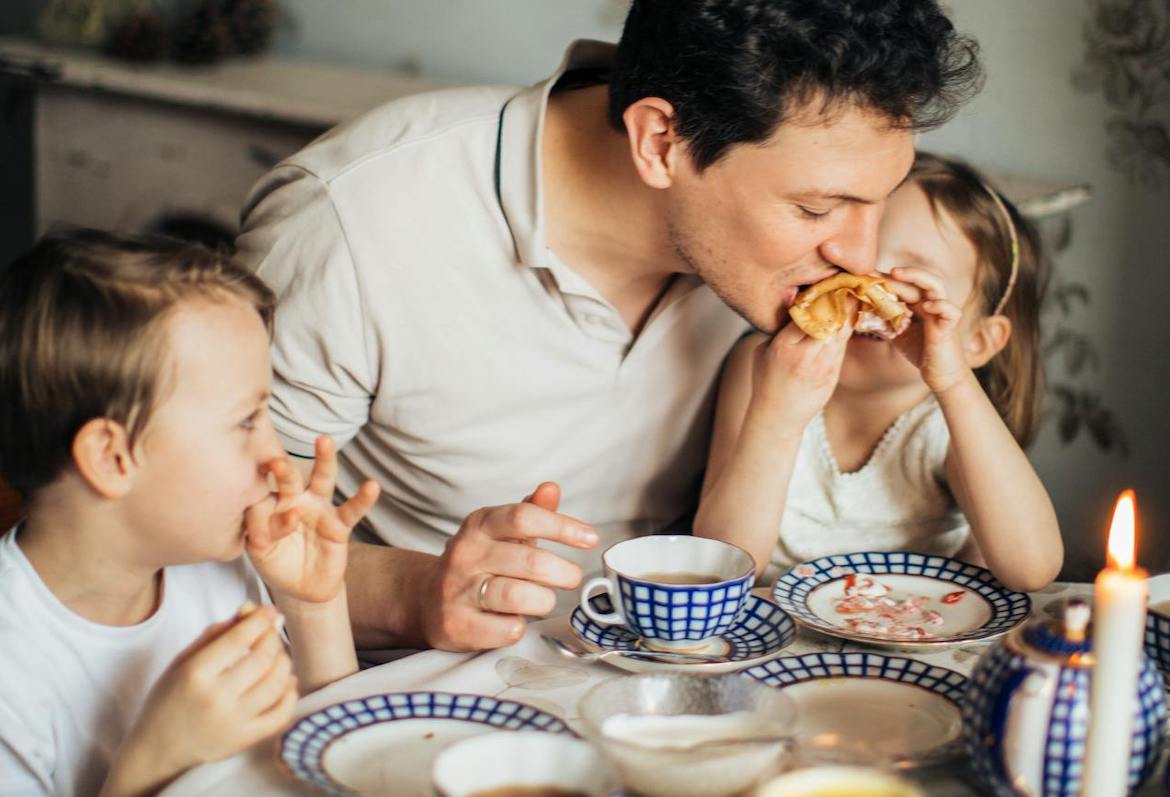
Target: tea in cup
<point x="674" y="591"/>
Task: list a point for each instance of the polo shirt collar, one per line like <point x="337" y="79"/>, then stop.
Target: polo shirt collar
<point x="518" y="167"/>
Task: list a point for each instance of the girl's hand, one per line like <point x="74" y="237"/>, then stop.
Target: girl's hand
<point x="793" y="376"/>
<point x="230" y="688"/>
<point x="933" y="341"/>
<point x="297" y="539"/>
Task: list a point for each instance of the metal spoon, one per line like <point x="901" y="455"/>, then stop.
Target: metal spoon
<point x="664" y="657"/>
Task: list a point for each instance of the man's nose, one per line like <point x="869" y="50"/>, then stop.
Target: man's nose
<point x="853" y="247"/>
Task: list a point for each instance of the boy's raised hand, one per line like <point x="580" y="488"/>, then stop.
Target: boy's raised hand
<point x="297" y="539"/>
<point x="230" y="688"/>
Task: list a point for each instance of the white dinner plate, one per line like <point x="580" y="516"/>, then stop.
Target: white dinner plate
<point x="905" y="601"/>
<point x="761" y="632"/>
<point x="901" y="712"/>
<point x="384" y="745"/>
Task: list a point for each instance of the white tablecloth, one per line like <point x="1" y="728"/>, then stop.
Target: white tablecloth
<point x="530" y="672"/>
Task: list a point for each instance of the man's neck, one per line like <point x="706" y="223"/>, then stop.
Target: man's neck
<point x="83" y="556"/>
<point x="601" y="219"/>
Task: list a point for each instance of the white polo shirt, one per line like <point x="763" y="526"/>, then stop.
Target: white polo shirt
<point x="424" y="324"/>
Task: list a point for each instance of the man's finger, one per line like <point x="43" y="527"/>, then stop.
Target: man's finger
<point x="516" y="561"/>
<point x="547" y="495"/>
<point x="487" y="631"/>
<point x="531" y="522"/>
<point x="324" y="475"/>
<point x="505" y="595"/>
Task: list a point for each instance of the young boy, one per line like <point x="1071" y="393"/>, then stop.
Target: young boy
<point x="134" y="379"/>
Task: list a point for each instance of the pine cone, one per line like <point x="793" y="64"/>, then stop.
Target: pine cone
<point x="250" y="24"/>
<point x="141" y="37"/>
<point x="201" y="37"/>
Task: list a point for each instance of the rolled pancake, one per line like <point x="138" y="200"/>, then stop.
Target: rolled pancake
<point x="862" y="299"/>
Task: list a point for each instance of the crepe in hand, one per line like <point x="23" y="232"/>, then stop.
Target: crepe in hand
<point x="863" y="299"/>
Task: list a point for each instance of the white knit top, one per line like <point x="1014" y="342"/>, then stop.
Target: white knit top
<point x="897" y="501"/>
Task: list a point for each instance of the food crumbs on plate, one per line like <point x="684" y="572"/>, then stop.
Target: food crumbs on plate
<point x="430" y="735"/>
<point x="954" y="597"/>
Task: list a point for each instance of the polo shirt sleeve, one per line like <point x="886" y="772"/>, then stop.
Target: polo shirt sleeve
<point x="323" y="358"/>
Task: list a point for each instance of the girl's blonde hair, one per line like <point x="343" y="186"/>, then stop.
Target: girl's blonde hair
<point x="1014" y="378"/>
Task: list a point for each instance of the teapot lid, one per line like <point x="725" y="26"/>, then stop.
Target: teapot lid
<point x="1064" y="640"/>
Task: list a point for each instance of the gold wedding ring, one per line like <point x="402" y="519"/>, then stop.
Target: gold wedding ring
<point x="481" y="594"/>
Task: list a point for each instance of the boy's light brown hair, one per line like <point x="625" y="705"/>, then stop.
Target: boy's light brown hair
<point x="83" y="335"/>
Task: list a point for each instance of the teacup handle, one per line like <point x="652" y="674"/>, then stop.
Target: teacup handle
<point x="612" y="618"/>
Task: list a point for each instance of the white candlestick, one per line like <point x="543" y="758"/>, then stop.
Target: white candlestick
<point x="1119" y="612"/>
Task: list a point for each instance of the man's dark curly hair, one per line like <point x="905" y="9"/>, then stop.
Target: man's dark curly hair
<point x="735" y="69"/>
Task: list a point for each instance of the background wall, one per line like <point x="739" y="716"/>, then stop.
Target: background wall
<point x="1030" y="119"/>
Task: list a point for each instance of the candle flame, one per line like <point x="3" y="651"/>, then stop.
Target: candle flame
<point x="1121" y="533"/>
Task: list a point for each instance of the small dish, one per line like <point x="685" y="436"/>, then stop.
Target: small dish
<point x="385" y="744"/>
<point x="762" y="632"/>
<point x="901" y="601"/>
<point x="903" y="712"/>
<point x="534" y="761"/>
<point x="854" y="781"/>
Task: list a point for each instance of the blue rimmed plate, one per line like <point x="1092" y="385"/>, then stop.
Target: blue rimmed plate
<point x="883" y="710"/>
<point x="905" y="601"/>
<point x="385" y="744"/>
<point x="761" y="632"/>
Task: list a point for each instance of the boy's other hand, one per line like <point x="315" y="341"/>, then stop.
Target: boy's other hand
<point x="297" y="539"/>
<point x="230" y="688"/>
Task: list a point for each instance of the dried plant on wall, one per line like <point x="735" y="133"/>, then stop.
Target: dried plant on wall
<point x="1127" y="57"/>
<point x="1070" y="355"/>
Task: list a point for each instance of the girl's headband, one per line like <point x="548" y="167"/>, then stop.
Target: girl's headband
<point x="1015" y="272"/>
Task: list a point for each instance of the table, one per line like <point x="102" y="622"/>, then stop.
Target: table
<point x="531" y="673"/>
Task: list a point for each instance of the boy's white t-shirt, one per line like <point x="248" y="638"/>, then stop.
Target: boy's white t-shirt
<point x="71" y="689"/>
<point x="897" y="501"/>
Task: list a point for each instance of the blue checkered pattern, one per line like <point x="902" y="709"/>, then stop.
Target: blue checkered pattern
<point x="302" y="748"/>
<point x="1158" y="644"/>
<point x="1008" y="609"/>
<point x="1001" y="671"/>
<point x="680" y="612"/>
<point x="762" y="629"/>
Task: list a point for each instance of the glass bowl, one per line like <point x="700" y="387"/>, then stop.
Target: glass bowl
<point x="685" y="735"/>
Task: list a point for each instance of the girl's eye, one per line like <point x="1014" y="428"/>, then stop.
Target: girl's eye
<point x="249" y="423"/>
<point x="812" y="213"/>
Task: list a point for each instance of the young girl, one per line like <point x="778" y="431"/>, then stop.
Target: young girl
<point x="860" y="444"/>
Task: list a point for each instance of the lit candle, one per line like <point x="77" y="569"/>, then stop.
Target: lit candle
<point x="1119" y="613"/>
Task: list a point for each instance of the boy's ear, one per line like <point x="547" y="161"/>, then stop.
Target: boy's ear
<point x="654" y="145"/>
<point x="987" y="340"/>
<point x="101" y="454"/>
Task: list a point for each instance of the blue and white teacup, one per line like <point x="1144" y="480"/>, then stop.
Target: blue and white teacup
<point x="1158" y="625"/>
<point x="674" y="591"/>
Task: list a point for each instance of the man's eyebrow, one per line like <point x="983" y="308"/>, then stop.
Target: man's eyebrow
<point x="841" y="196"/>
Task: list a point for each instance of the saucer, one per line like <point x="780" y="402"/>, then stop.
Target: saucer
<point x="901" y="712"/>
<point x="903" y="601"/>
<point x="385" y="744"/>
<point x="1158" y="625"/>
<point x="762" y="631"/>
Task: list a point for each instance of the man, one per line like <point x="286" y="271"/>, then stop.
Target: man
<point x="483" y="290"/>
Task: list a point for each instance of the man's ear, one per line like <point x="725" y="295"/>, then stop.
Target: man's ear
<point x="101" y="454"/>
<point x="654" y="145"/>
<point x="987" y="340"/>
